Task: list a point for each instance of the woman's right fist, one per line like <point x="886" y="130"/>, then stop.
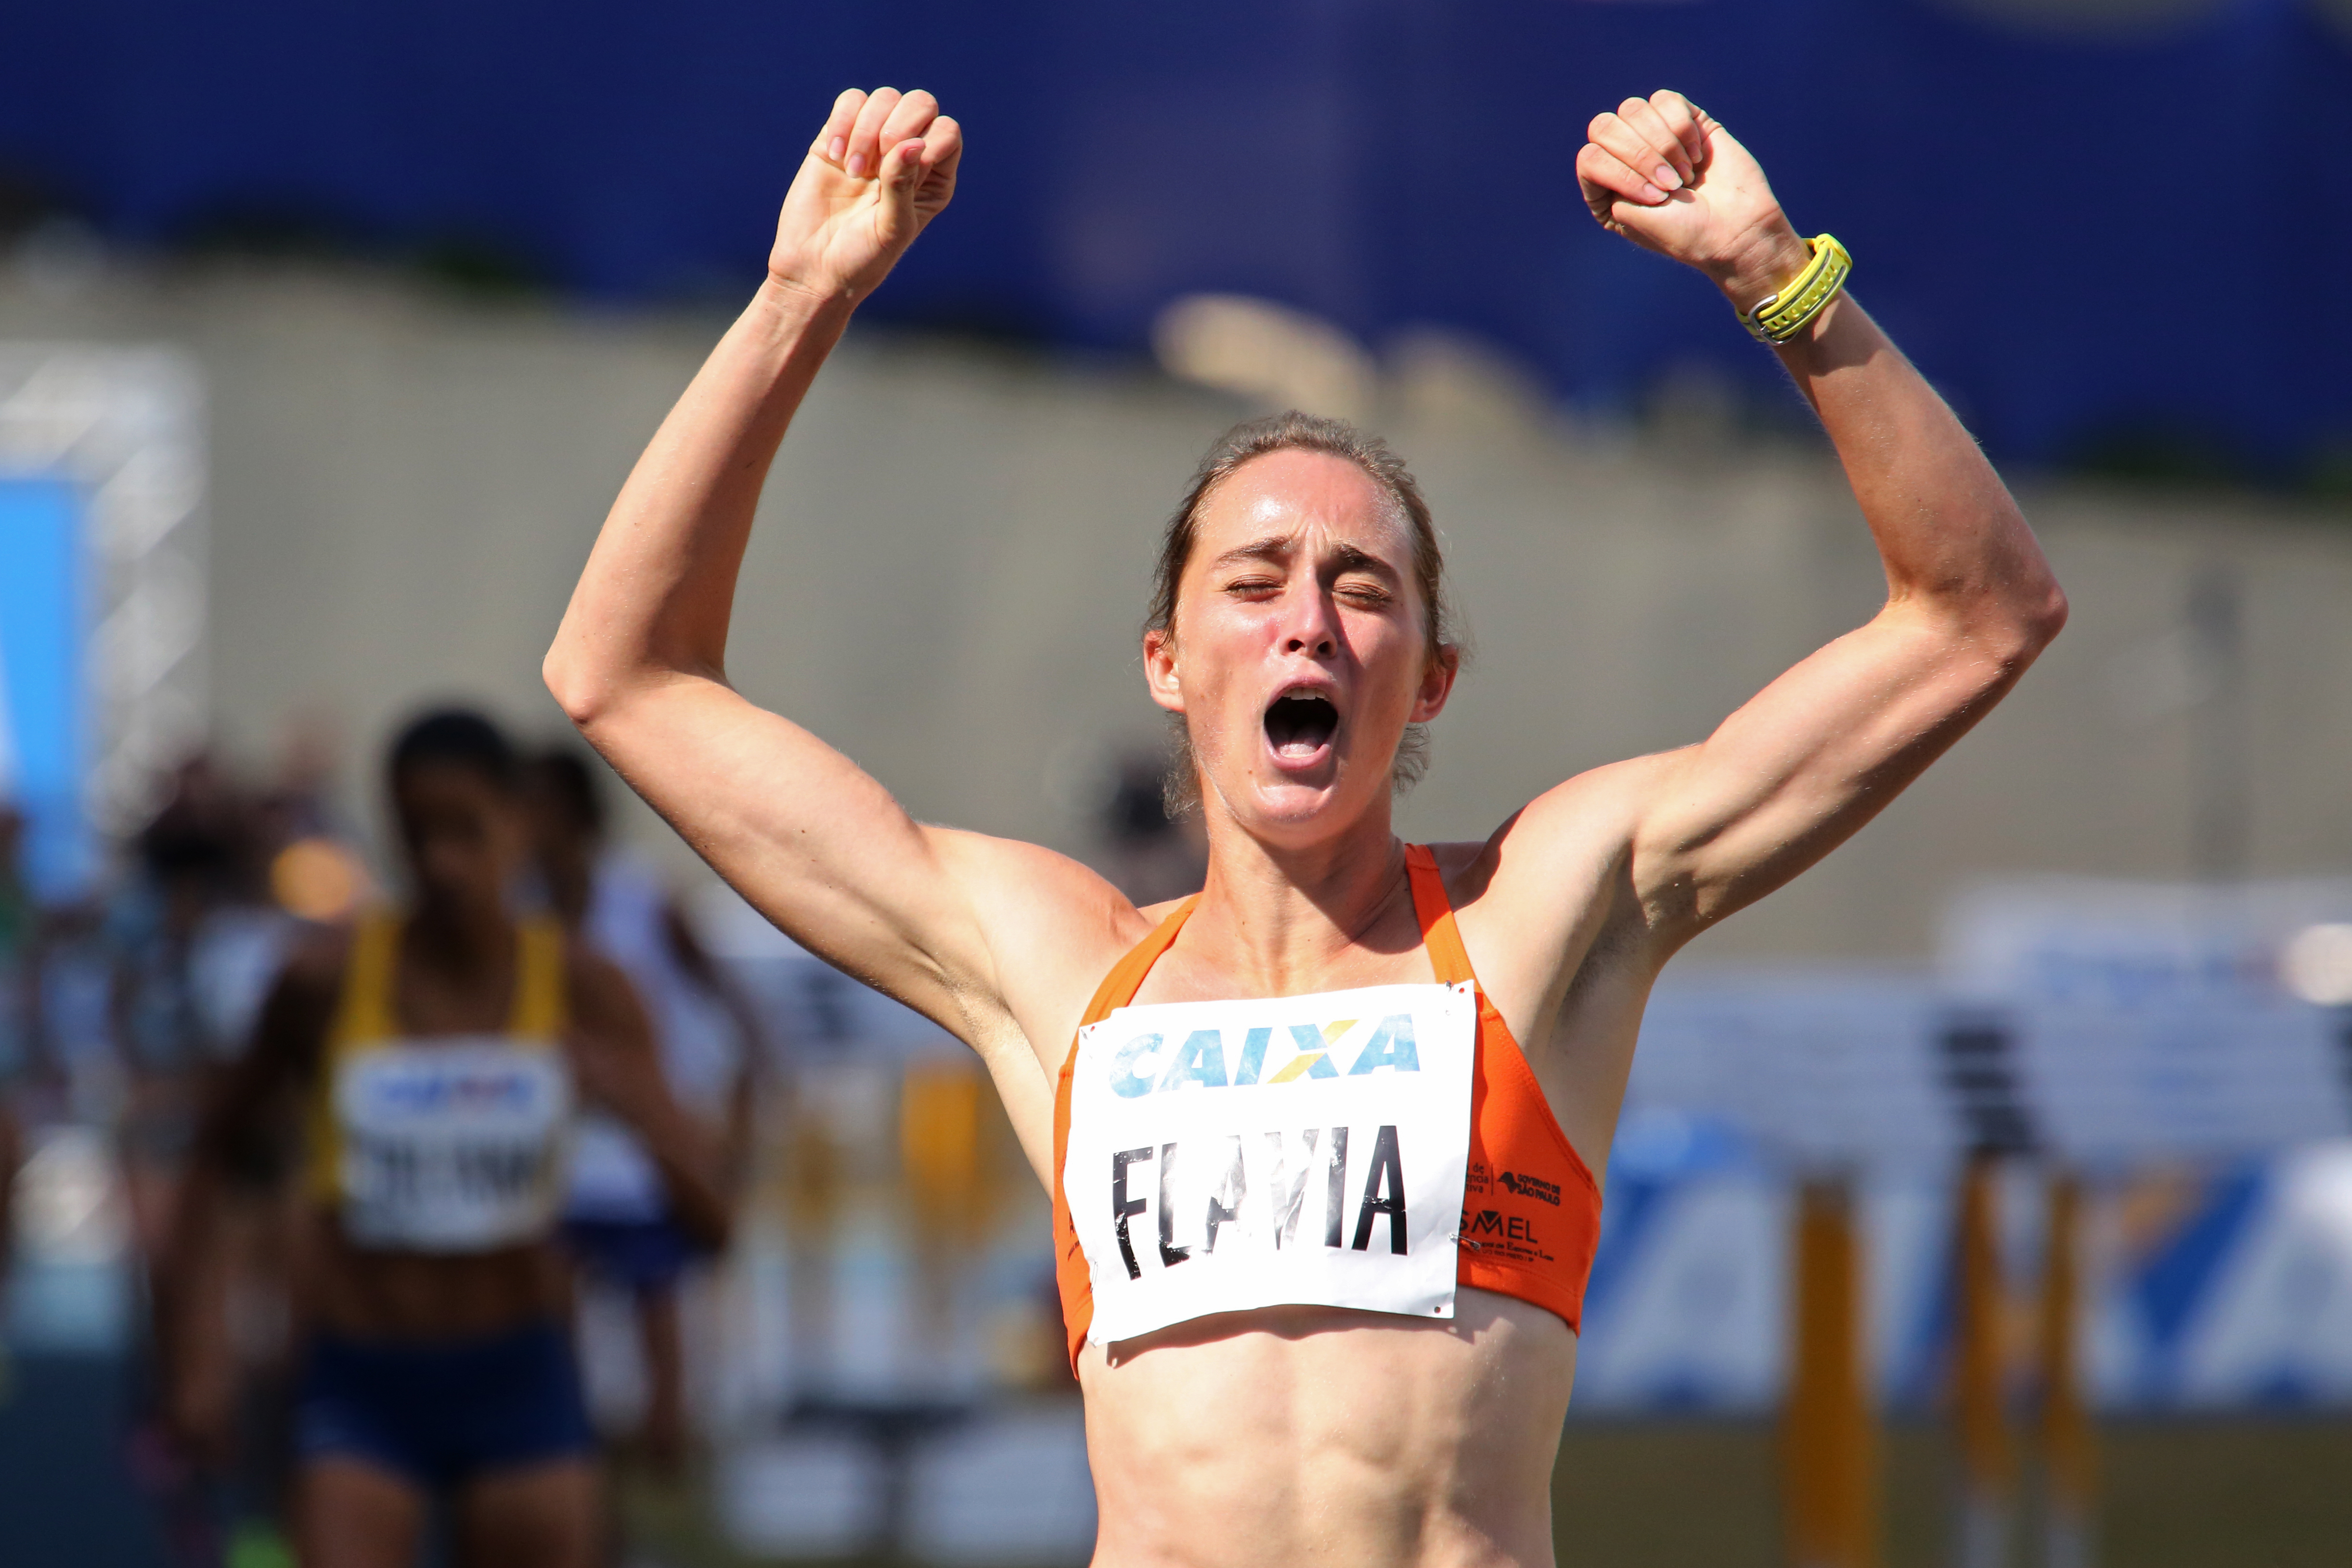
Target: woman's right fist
<point x="882" y="168"/>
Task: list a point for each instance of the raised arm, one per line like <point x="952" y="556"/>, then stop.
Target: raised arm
<point x="1970" y="600"/>
<point x="639" y="662"/>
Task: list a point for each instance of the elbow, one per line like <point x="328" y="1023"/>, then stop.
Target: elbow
<point x="572" y="693"/>
<point x="584" y="692"/>
<point x="2013" y="625"/>
<point x="2039" y="617"/>
<point x="2036" y="601"/>
<point x="594" y="684"/>
<point x="2054" y="612"/>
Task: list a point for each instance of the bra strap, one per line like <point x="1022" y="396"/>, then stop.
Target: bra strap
<point x="1125" y="976"/>
<point x="1435" y="912"/>
<point x="364" y="1011"/>
<point x="539" y="1007"/>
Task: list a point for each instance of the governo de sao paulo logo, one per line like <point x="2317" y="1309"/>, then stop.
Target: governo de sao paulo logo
<point x="1147" y="1065"/>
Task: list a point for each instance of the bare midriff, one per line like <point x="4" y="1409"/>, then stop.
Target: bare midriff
<point x="1316" y="1434"/>
<point x="364" y="1294"/>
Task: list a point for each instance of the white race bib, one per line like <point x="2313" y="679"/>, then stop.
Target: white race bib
<point x="1309" y="1150"/>
<point x="452" y="1147"/>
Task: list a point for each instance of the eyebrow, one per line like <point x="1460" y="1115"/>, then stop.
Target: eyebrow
<point x="1279" y="548"/>
<point x="1272" y="547"/>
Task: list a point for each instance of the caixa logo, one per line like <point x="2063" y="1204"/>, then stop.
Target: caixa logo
<point x="462" y="1092"/>
<point x="1148" y="1064"/>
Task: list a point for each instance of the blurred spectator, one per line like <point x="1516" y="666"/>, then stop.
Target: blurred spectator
<point x="616" y="1218"/>
<point x="1150" y="855"/>
<point x="193" y="947"/>
<point x="194" y="950"/>
<point x="302" y="849"/>
<point x="16" y="931"/>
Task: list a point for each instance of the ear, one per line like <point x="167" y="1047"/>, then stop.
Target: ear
<point x="1436" y="684"/>
<point x="1159" y="671"/>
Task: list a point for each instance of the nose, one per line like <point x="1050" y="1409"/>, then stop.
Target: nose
<point x="1309" y="625"/>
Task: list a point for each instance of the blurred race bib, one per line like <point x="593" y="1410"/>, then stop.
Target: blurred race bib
<point x="456" y="1147"/>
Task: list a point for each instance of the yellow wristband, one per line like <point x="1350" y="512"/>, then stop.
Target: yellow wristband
<point x="1780" y="316"/>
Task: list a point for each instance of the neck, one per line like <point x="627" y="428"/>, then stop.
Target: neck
<point x="462" y="941"/>
<point x="1280" y="914"/>
<point x="568" y="876"/>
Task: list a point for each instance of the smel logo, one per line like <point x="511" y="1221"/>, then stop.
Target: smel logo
<point x="1147" y="1065"/>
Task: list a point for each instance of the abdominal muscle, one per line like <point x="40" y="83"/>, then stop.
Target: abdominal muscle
<point x="1319" y="1434"/>
<point x="367" y="1294"/>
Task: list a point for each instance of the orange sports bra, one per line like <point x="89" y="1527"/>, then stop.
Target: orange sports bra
<point x="1531" y="1209"/>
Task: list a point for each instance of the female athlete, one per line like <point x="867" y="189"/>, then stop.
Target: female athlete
<point x="1321" y="1138"/>
<point x="440" y="1055"/>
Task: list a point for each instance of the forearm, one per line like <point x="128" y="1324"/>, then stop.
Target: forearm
<point x="1800" y="767"/>
<point x="655" y="597"/>
<point x="177" y="1294"/>
<point x="1952" y="539"/>
<point x="228" y="1123"/>
<point x="681" y="1152"/>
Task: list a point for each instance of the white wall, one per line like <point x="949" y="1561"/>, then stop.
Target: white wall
<point x="952" y="563"/>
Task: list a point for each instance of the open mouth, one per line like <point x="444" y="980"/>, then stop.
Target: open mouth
<point x="1298" y="724"/>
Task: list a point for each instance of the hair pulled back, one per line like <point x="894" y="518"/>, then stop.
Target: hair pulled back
<point x="1297" y="432"/>
<point x="571" y="779"/>
<point x="454" y="737"/>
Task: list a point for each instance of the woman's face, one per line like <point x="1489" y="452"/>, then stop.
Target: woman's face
<point x="463" y="834"/>
<point x="1300" y="645"/>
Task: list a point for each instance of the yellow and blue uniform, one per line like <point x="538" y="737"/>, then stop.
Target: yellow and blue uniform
<point x="450" y="1145"/>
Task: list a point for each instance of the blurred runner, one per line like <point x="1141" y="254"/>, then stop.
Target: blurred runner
<point x="438" y="1058"/>
<point x="191" y="949"/>
<point x="196" y="945"/>
<point x="617" y="1216"/>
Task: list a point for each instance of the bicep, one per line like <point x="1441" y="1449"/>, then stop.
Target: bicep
<point x="811" y="841"/>
<point x="1801" y="766"/>
<point x="923" y="914"/>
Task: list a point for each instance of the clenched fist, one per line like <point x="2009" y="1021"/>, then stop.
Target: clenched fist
<point x="1662" y="173"/>
<point x="882" y="168"/>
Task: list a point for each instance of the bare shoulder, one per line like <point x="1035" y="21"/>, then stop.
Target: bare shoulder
<point x="1551" y="891"/>
<point x="998" y="941"/>
<point x="597" y="989"/>
<point x="300" y="1010"/>
<point x="312" y="972"/>
<point x="1582" y="826"/>
<point x="1044" y="913"/>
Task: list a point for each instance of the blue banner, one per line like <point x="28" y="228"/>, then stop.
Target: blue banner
<point x="2125" y="245"/>
<point x="43" y="715"/>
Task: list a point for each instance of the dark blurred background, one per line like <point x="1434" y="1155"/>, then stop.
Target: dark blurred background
<point x="2107" y="227"/>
